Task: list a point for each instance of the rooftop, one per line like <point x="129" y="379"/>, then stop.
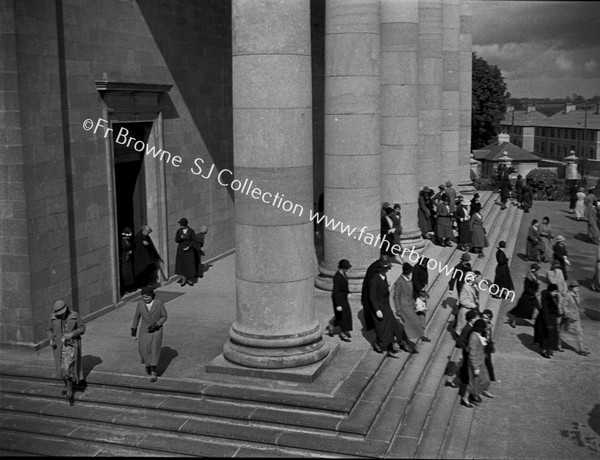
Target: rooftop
<point x="572" y="119"/>
<point x="495" y="152"/>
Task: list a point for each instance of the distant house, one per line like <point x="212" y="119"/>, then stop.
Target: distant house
<point x="492" y="155"/>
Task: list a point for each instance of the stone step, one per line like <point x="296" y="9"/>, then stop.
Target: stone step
<point x="439" y="424"/>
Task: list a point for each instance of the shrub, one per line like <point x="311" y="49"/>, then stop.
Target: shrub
<point x="542" y="178"/>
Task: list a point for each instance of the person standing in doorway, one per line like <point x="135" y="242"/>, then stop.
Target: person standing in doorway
<point x="64" y="331"/>
<point x="150" y="315"/>
<point x="146" y="259"/>
<point x="126" y="262"/>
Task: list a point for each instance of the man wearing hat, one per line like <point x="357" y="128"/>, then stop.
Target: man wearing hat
<point x="186" y="259"/>
<point x="468" y="298"/>
<point x="341" y="306"/>
<point x="150" y="314"/>
<point x="570" y="326"/>
<point x="458" y="273"/>
<point x="404" y="301"/>
<point x="560" y="255"/>
<point x="64" y="331"/>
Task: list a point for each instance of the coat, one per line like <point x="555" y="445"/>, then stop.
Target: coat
<point x="555" y="276"/>
<point x="503" y="278"/>
<point x="593" y="224"/>
<point x="379" y="297"/>
<point x="339" y="297"/>
<point x="54" y="332"/>
<point x="420" y="278"/>
<point x="397" y="220"/>
<point x="527" y="197"/>
<point x="534" y="241"/>
<point x="145" y="256"/>
<point x="452" y="195"/>
<point x="570" y="326"/>
<point x="475" y="207"/>
<point x="464" y="229"/>
<point x="545" y="330"/>
<point x="528" y="302"/>
<point x="444" y="222"/>
<point x="126" y="262"/>
<point x="404" y="302"/>
<point x="519" y="190"/>
<point x="580" y="205"/>
<point x="504" y="190"/>
<point x="458" y="275"/>
<point x="478" y="238"/>
<point x="186" y="259"/>
<point x="149" y="343"/>
<point x="546" y="236"/>
<point x="476" y="359"/>
<point x="387" y="226"/>
<point x="560" y="256"/>
<point x="365" y="299"/>
<point x="424" y="214"/>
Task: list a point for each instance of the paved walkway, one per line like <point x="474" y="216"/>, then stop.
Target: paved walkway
<point x="544" y="408"/>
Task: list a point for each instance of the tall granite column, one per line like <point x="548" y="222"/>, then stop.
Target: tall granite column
<point x="465" y="184"/>
<point x="352" y="150"/>
<point x="275" y="325"/>
<point x="399" y="112"/>
<point x="430" y="74"/>
<point x="450" y="89"/>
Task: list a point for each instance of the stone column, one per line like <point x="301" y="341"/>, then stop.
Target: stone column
<point x="450" y="89"/>
<point x="430" y="73"/>
<point x="465" y="184"/>
<point x="352" y="150"/>
<point x="399" y="112"/>
<point x="275" y="325"/>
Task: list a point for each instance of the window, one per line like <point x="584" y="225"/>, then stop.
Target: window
<point x="543" y="131"/>
<point x="592" y="153"/>
<point x="551" y="148"/>
<point x="552" y="133"/>
<point x="573" y="132"/>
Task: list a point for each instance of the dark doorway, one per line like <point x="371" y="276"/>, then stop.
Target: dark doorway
<point x="130" y="186"/>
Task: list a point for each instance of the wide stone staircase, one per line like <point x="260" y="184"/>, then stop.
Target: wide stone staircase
<point x="379" y="407"/>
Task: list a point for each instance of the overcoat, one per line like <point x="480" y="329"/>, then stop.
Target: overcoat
<point x="519" y="190"/>
<point x="145" y="256"/>
<point x="126" y="260"/>
<point x="54" y="332"/>
<point x="475" y="206"/>
<point x="527" y="197"/>
<point x="444" y="222"/>
<point x="532" y="248"/>
<point x="555" y="276"/>
<point x="424" y="214"/>
<point x="452" y="195"/>
<point x="458" y="275"/>
<point x="405" y="308"/>
<point x="149" y="343"/>
<point x="570" y="326"/>
<point x="546" y="239"/>
<point x="420" y="278"/>
<point x="462" y="219"/>
<point x="590" y="199"/>
<point x="186" y="260"/>
<point x="478" y="238"/>
<point x="560" y="254"/>
<point x="480" y="382"/>
<point x="339" y="297"/>
<point x="528" y="302"/>
<point x="386" y="226"/>
<point x="379" y="296"/>
<point x="397" y="220"/>
<point x="504" y="190"/>
<point x="365" y="298"/>
<point x="594" y="224"/>
<point x="503" y="277"/>
<point x="545" y="330"/>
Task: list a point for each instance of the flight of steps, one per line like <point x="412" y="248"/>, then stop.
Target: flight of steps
<point x="384" y="408"/>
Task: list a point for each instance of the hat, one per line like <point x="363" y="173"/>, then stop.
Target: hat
<point x="182" y="221"/>
<point x="397" y="206"/>
<point x="560" y="238"/>
<point x="466" y="256"/>
<point x="389" y="210"/>
<point x="203" y="229"/>
<point x="383" y="265"/>
<point x="573" y="283"/>
<point x="471" y="314"/>
<point x="488" y="312"/>
<point x="535" y="267"/>
<point x="448" y="184"/>
<point x="479" y="326"/>
<point x="502" y="244"/>
<point x="442" y="187"/>
<point x="581" y="189"/>
<point x="476" y="195"/>
<point x="344" y="263"/>
<point x="426" y="189"/>
<point x="446" y="198"/>
<point x="553" y="287"/>
<point x="406" y="268"/>
<point x="459" y="198"/>
<point x="147" y="290"/>
<point x="60" y="307"/>
<point x="556" y="264"/>
<point x="385" y="204"/>
<point x="126" y="231"/>
<point x="476" y="272"/>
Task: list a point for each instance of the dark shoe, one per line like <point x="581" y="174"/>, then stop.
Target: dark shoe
<point x="392" y="354"/>
<point x="450" y="384"/>
<point x="153" y="377"/>
<point x="329" y="331"/>
<point x="475" y="401"/>
<point x="560" y="350"/>
<point x="190" y="283"/>
<point x="466" y="404"/>
<point x="583" y="353"/>
<point x="345" y="339"/>
<point x="148" y="370"/>
<point x="348" y="334"/>
<point x="546" y="355"/>
<point x="425" y="339"/>
<point x="377" y="349"/>
<point x="182" y="281"/>
<point x="513" y="323"/>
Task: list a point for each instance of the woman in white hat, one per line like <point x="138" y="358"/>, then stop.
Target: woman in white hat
<point x="560" y="254"/>
<point x="64" y="331"/>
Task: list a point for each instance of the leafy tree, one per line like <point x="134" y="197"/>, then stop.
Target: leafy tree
<point x="488" y="104"/>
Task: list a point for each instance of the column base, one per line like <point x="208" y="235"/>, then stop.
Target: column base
<point x="412" y="239"/>
<point x="305" y="374"/>
<point x="466" y="187"/>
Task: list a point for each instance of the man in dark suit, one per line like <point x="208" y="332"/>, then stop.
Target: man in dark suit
<point x="339" y="297"/>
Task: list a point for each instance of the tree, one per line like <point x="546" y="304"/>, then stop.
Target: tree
<point x="488" y="103"/>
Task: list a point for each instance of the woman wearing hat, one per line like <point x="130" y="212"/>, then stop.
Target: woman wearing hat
<point x="555" y="276"/>
<point x="546" y="240"/>
<point x="186" y="260"/>
<point x="462" y="221"/>
<point x="64" y="331"/>
<point x="152" y="314"/>
<point x="475" y="205"/>
<point x="339" y="296"/>
<point x="570" y="326"/>
<point x="503" y="279"/>
<point x="404" y="302"/>
<point x="580" y="204"/>
<point x="560" y="255"/>
<point x="593" y="217"/>
<point x="478" y="234"/>
<point x="443" y="230"/>
<point x="534" y="241"/>
<point x="545" y="329"/>
<point x="528" y="303"/>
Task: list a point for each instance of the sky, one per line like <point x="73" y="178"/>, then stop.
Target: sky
<point x="543" y="48"/>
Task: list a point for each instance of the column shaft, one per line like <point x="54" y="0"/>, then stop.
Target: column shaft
<point x="352" y="151"/>
<point x="430" y="65"/>
<point x="465" y="183"/>
<point x="275" y="326"/>
<point x="399" y="112"/>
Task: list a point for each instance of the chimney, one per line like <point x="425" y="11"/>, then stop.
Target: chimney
<point x="510" y="108"/>
<point x="504" y="137"/>
<point x="570" y="107"/>
<point x="530" y="108"/>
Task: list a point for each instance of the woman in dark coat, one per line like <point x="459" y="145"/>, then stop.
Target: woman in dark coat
<point x="64" y="331"/>
<point x="152" y="313"/>
<point x="478" y="238"/>
<point x="528" y="303"/>
<point x="527" y="197"/>
<point x="462" y="220"/>
<point x="420" y="277"/>
<point x="546" y="323"/>
<point x="443" y="230"/>
<point x="573" y="197"/>
<point x="534" y="242"/>
<point x="186" y="260"/>
<point x="502" y="279"/>
<point x="424" y="213"/>
<point x="475" y="205"/>
<point x="339" y="296"/>
<point x="388" y="231"/>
